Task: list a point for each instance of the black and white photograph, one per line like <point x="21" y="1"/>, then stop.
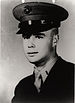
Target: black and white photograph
<point x="37" y="51"/>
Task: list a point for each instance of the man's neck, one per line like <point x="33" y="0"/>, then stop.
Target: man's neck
<point x="44" y="70"/>
<point x="41" y="64"/>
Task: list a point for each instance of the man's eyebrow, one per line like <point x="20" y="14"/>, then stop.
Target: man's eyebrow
<point x="39" y="34"/>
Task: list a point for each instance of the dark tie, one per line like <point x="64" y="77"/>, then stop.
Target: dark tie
<point x="38" y="82"/>
<point x="40" y="77"/>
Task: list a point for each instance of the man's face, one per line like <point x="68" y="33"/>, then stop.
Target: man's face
<point x="39" y="46"/>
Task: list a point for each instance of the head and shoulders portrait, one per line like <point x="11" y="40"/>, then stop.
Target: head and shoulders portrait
<point x="52" y="77"/>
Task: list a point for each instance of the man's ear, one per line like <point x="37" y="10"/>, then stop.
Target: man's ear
<point x="55" y="40"/>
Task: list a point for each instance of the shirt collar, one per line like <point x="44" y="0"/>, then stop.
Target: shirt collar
<point x="44" y="71"/>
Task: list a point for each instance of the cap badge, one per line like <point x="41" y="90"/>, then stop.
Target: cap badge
<point x="43" y="21"/>
<point x="27" y="9"/>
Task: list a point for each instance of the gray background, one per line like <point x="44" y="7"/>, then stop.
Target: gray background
<point x="14" y="65"/>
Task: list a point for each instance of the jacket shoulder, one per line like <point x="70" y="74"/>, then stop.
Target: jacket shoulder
<point x="64" y="63"/>
<point x="24" y="83"/>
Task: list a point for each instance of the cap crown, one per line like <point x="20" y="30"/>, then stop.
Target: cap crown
<point x="38" y="11"/>
<point x="38" y="16"/>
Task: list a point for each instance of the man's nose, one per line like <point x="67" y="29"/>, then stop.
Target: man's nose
<point x="31" y="43"/>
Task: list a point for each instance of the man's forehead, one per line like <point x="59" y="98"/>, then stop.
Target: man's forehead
<point x="48" y="31"/>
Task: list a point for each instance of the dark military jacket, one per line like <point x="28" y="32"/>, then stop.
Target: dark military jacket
<point x="58" y="87"/>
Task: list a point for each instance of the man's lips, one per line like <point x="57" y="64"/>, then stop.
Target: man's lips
<point x="32" y="52"/>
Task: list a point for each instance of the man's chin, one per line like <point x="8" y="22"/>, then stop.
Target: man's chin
<point x="33" y="61"/>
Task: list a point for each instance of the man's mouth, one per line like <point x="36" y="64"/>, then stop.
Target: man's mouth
<point x="32" y="52"/>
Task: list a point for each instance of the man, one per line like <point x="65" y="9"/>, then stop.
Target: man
<point x="52" y="79"/>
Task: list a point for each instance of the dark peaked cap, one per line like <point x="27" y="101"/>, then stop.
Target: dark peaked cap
<point x="38" y="16"/>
